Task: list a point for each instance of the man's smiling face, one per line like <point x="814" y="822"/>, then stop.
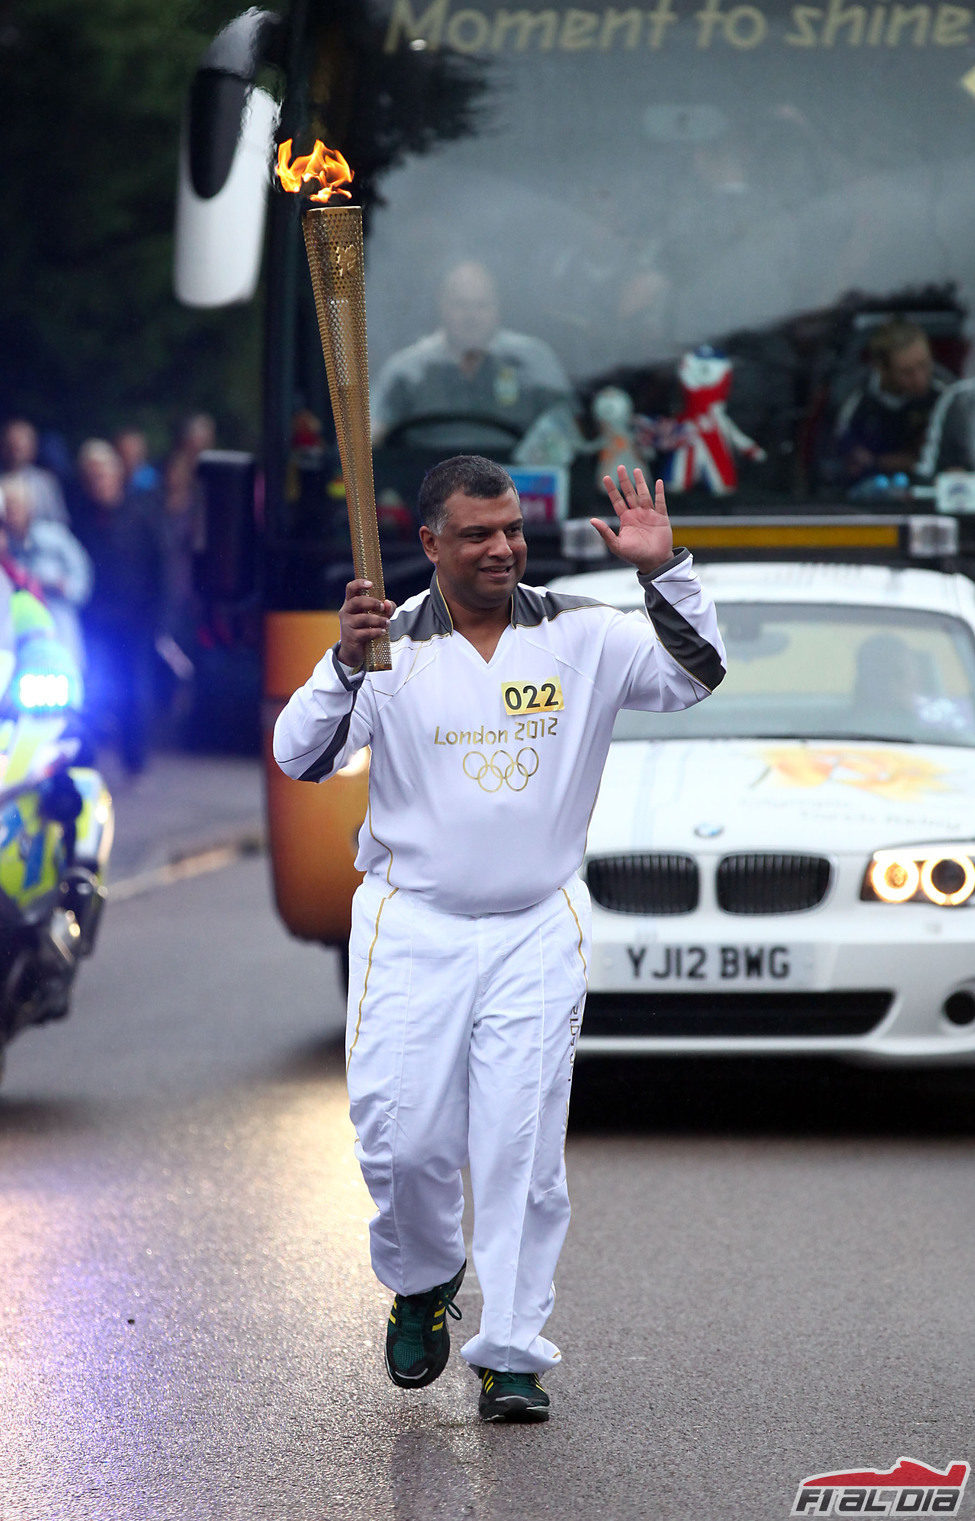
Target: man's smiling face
<point x="480" y="554"/>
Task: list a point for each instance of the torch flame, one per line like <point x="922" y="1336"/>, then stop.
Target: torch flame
<point x="324" y="165"/>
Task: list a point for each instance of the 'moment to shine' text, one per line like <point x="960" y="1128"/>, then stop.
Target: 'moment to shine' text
<point x="715" y="23"/>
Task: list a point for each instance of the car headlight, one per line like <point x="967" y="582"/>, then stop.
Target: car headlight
<point x="939" y="874"/>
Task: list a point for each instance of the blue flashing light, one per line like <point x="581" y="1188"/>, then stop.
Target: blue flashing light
<point x="43" y="689"/>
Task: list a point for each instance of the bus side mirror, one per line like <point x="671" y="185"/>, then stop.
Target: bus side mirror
<point x="224" y="167"/>
<point x="226" y="559"/>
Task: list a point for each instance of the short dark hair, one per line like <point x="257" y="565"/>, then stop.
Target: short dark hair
<point x="891" y="337"/>
<point x="468" y="473"/>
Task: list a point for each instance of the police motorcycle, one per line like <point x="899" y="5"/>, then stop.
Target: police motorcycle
<point x="56" y="820"/>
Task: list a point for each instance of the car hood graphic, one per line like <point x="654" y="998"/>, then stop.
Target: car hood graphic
<point x="772" y="795"/>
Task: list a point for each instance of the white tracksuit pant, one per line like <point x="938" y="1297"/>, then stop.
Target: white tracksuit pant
<point x="460" y="1042"/>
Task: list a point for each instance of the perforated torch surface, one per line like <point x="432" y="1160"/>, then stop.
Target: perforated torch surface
<point x="333" y="241"/>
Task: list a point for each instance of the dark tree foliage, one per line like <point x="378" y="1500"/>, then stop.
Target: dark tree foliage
<point x="90" y="332"/>
<point x="382" y="108"/>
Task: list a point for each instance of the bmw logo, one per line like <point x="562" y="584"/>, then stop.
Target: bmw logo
<point x="708" y="831"/>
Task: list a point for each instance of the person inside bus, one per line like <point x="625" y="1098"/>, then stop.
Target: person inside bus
<point x="484" y="384"/>
<point x="880" y="428"/>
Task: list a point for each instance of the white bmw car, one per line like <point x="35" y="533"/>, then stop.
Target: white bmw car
<point x="790" y="865"/>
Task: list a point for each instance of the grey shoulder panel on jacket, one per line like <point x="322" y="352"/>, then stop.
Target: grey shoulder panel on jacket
<point x="418" y="623"/>
<point x="430" y="616"/>
<point x="533" y="605"/>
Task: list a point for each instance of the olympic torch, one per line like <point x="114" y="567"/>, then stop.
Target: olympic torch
<point x="333" y="243"/>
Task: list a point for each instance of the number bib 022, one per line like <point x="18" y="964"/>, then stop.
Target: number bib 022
<point x="533" y="696"/>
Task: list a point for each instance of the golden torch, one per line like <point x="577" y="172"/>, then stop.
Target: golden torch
<point x="333" y="242"/>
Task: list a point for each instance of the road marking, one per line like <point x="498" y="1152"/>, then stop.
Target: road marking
<point x="184" y="867"/>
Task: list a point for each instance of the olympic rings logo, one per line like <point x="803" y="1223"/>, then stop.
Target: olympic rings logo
<point x="501" y="770"/>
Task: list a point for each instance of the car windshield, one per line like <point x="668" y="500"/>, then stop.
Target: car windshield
<point x="802" y="671"/>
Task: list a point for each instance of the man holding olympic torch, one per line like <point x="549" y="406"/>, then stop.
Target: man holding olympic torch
<point x="470" y="931"/>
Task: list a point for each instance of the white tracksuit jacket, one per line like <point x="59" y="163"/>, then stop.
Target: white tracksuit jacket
<point x="470" y="932"/>
<point x="484" y="773"/>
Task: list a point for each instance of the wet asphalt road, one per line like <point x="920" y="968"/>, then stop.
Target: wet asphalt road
<point x="770" y="1270"/>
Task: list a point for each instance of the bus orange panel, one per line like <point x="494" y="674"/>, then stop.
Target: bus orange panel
<point x="312" y="828"/>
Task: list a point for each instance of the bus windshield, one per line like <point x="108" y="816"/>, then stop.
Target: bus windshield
<point x="642" y="180"/>
<point x="620" y="185"/>
<point x="677" y="235"/>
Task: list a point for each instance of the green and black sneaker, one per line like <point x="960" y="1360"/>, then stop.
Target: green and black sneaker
<point x="511" y="1397"/>
<point x="417" y="1338"/>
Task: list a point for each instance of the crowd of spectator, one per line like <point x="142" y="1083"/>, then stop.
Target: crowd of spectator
<point x="109" y="542"/>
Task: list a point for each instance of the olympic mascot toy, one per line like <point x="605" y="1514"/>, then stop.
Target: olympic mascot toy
<point x="706" y="438"/>
<point x="617" y="443"/>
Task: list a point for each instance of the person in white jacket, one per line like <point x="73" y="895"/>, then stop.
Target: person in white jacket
<point x="470" y="933"/>
<point x="49" y="552"/>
